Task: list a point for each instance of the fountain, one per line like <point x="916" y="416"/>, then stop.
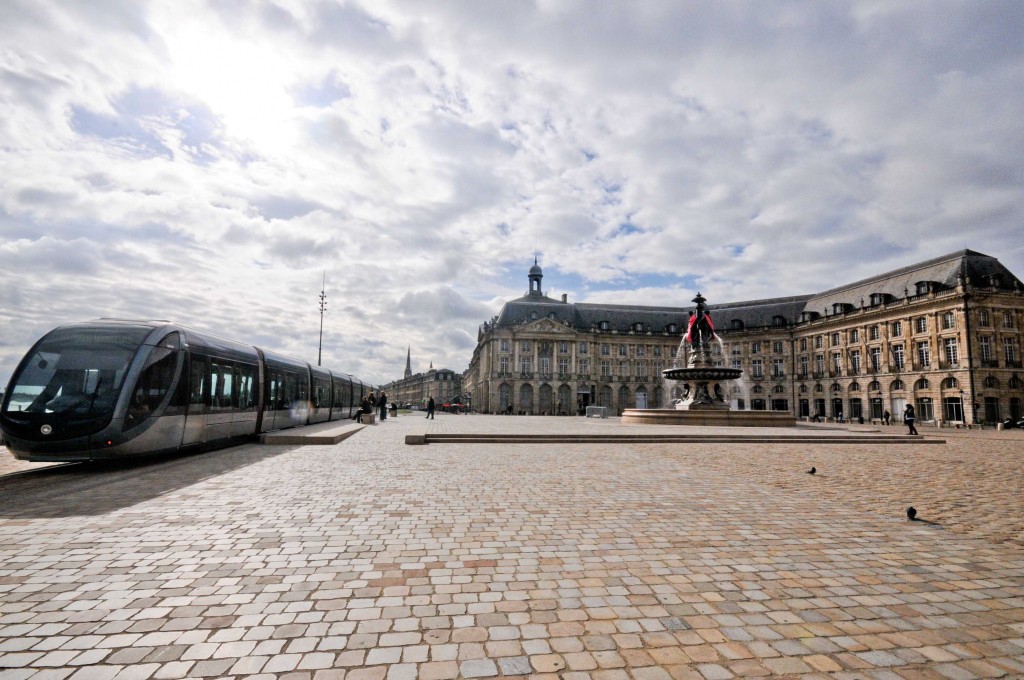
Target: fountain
<point x="704" y="400"/>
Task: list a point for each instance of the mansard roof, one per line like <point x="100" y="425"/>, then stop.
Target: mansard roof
<point x="585" y="316"/>
<point x="942" y="273"/>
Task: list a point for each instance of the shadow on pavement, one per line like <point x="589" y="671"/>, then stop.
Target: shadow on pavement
<point x="101" y="487"/>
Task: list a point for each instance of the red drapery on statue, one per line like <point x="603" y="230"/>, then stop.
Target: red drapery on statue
<point x="692" y="323"/>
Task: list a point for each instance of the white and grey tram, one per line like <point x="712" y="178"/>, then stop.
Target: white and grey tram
<point x="112" y="389"/>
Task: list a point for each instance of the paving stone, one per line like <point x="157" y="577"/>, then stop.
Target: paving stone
<point x="371" y="560"/>
<point x="478" y="668"/>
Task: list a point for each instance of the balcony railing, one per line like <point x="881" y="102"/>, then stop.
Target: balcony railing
<point x="990" y="363"/>
<point x="949" y="365"/>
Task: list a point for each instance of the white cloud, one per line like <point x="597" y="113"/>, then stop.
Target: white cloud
<point x="207" y="163"/>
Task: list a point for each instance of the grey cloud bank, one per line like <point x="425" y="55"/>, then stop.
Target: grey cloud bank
<point x="208" y="162"/>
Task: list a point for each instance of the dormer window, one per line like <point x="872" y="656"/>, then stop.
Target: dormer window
<point x="604" y="325"/>
<point x="638" y="327"/>
<point x="838" y="308"/>
<point x="672" y="328"/>
<point x="778" y="320"/>
<point x="922" y="287"/>
<point x="876" y="299"/>
<point x="736" y="324"/>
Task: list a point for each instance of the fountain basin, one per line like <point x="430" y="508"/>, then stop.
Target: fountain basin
<point x="707" y="418"/>
<point x="702" y="374"/>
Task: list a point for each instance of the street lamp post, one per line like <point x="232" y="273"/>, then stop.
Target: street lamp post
<point x="323" y="307"/>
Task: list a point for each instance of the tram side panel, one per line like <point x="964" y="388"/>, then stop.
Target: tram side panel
<point x="320" y="395"/>
<point x="286" y="392"/>
<point x="341" y="406"/>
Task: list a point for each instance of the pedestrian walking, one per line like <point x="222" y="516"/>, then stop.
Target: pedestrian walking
<point x="909" y="418"/>
<point x="886" y="417"/>
<point x="382" y="404"/>
<point x="430" y="408"/>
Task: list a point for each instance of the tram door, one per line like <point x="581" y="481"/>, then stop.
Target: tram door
<point x="198" y="394"/>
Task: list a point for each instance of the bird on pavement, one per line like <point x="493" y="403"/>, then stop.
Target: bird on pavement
<point x="812" y="470"/>
<point x="911" y="513"/>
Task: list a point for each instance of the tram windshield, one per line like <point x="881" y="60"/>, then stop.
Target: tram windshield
<point x="75" y="372"/>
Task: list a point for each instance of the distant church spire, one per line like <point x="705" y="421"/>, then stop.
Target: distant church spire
<point x="408" y="363"/>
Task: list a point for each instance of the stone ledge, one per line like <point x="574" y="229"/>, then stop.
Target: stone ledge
<point x="323" y="433"/>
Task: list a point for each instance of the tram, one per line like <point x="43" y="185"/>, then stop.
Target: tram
<point x="111" y="389"/>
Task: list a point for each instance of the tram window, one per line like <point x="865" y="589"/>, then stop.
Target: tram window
<point x="242" y="394"/>
<point x="321" y="393"/>
<point x="197" y="384"/>
<point x="245" y="377"/>
<point x="62" y="358"/>
<point x="154" y="383"/>
<point x="273" y="389"/>
<point x="221" y="386"/>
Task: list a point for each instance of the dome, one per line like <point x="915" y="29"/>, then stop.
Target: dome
<point x="535" y="269"/>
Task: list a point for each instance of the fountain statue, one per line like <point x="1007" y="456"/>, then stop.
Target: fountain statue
<point x="700" y="370"/>
<point x="704" y="400"/>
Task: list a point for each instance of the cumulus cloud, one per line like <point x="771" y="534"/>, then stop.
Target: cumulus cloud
<point x="210" y="162"/>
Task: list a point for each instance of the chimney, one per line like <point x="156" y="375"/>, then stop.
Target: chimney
<point x="565" y="297"/>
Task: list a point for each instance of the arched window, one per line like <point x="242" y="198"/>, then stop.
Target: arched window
<point x="875" y="386"/>
<point x="836" y="387"/>
<point x="991" y="381"/>
<point x="819" y="388"/>
<point x="779" y="389"/>
<point x="950" y="383"/>
<point x="1014" y="383"/>
<point x="921" y="384"/>
<point x="897" y="385"/>
<point x="855" y="387"/>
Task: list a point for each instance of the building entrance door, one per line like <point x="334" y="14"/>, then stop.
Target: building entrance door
<point x="582" y="402"/>
<point x="898" y="404"/>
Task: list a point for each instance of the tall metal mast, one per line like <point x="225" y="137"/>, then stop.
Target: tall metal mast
<point x="323" y="307"/>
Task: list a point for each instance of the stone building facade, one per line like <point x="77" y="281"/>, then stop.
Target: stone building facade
<point x="943" y="335"/>
<point x="443" y="384"/>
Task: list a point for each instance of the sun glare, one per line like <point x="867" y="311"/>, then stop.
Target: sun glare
<point x="243" y="83"/>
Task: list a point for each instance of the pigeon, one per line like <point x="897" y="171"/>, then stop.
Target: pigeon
<point x="911" y="513"/>
<point x="812" y="470"/>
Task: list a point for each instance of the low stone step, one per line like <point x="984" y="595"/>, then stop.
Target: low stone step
<point x="497" y="438"/>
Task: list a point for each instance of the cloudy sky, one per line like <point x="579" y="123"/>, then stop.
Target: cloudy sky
<point x="209" y="162"/>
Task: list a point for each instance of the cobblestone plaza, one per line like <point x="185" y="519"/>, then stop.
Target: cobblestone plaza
<point x="372" y="559"/>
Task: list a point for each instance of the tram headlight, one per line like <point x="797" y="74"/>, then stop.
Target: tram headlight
<point x="46" y="429"/>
